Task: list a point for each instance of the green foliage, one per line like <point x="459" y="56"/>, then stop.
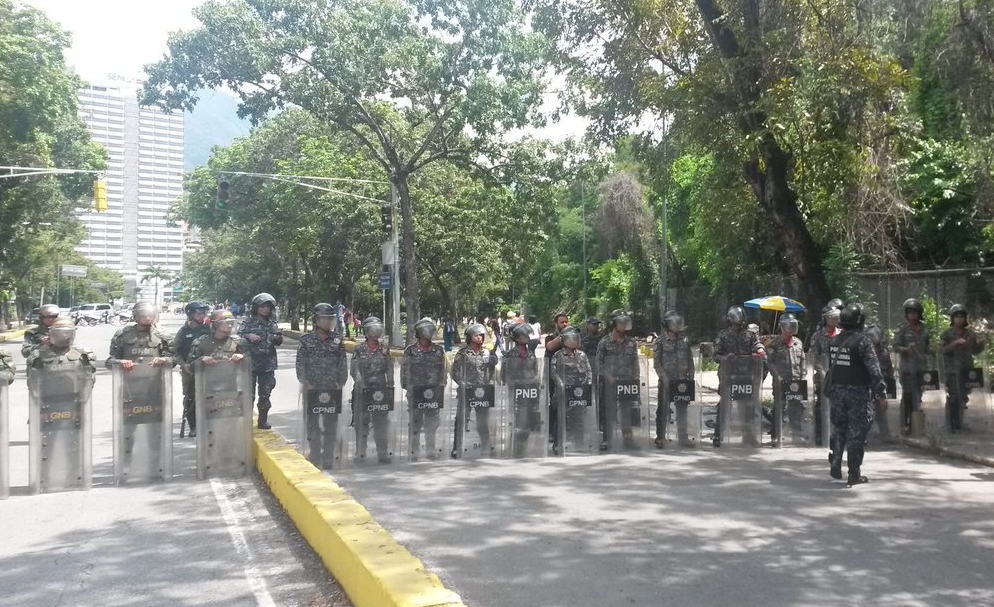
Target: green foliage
<point x="841" y="265"/>
<point x="611" y="284"/>
<point x="933" y="317"/>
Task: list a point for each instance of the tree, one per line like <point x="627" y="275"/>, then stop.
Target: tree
<point x="39" y="127"/>
<point x="158" y="274"/>
<point x="412" y="81"/>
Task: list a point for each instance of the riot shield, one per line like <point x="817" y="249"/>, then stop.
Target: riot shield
<point x="4" y="442"/>
<point x="376" y="419"/>
<point x="822" y="410"/>
<point x="60" y="438"/>
<point x="626" y="418"/>
<point x="978" y="416"/>
<point x="478" y="417"/>
<point x="525" y="399"/>
<point x="933" y="406"/>
<point x="794" y="422"/>
<point x="143" y="421"/>
<point x="678" y="421"/>
<point x="427" y="419"/>
<point x="574" y="393"/>
<point x="224" y="418"/>
<point x="740" y="412"/>
<point x="323" y="426"/>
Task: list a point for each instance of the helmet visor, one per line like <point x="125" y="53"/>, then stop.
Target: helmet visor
<point x="62" y="336"/>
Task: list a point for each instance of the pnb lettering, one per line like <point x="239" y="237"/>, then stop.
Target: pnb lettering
<point x="745" y="389"/>
<point x="631" y="389"/>
<point x="526" y="393"/>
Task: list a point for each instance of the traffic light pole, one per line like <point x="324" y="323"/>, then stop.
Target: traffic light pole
<point x="396" y="338"/>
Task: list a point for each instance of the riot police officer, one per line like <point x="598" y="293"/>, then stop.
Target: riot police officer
<point x="520" y="367"/>
<point x="322" y="369"/>
<point x="570" y="367"/>
<point x="7" y="368"/>
<point x="263" y="335"/>
<point x="731" y="342"/>
<point x="372" y="368"/>
<point x="38" y="336"/>
<point x="219" y="343"/>
<point x="473" y="366"/>
<point x="423" y="377"/>
<point x="854" y="378"/>
<point x="958" y="344"/>
<point x="193" y="329"/>
<point x="59" y="349"/>
<point x="819" y="359"/>
<point x="617" y="361"/>
<point x="591" y="337"/>
<point x="882" y="349"/>
<point x="785" y="356"/>
<point x="911" y="342"/>
<point x="673" y="360"/>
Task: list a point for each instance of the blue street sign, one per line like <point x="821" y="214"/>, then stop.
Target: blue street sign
<point x="385" y="281"/>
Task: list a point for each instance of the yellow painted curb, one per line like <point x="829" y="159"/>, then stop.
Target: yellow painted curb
<point x="11" y="335"/>
<point x="367" y="561"/>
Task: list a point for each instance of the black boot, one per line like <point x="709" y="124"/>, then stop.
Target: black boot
<point x="855" y="456"/>
<point x="264" y="418"/>
<point x="835" y="458"/>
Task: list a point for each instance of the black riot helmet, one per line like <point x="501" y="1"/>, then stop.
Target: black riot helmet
<point x="372" y="327"/>
<point x="424" y="329"/>
<point x="473" y="330"/>
<point x="521" y="333"/>
<point x="195" y="306"/>
<point x="621" y="320"/>
<point x="261" y="299"/>
<point x="913" y="304"/>
<point x="788" y="322"/>
<point x="957" y="309"/>
<point x="852" y="317"/>
<point x="673" y="322"/>
<point x="571" y="337"/>
<point x="323" y="309"/>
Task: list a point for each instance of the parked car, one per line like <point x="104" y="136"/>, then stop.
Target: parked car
<point x="93" y="313"/>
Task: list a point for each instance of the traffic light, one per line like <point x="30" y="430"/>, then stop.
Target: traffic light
<point x="223" y="194"/>
<point x="386" y="216"/>
<point x="100" y="195"/>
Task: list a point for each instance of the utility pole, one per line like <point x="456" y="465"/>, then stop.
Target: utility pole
<point x="664" y="238"/>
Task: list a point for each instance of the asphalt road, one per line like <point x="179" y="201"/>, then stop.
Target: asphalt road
<point x="182" y="543"/>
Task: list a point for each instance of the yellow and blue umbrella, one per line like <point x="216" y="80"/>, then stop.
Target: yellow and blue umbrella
<point x="775" y="302"/>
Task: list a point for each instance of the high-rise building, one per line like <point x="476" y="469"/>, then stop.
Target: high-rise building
<point x="144" y="177"/>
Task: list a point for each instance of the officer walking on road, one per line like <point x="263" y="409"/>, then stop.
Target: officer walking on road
<point x="855" y="381"/>
<point x="38" y="336"/>
<point x="911" y="342"/>
<point x="672" y="360"/>
<point x="958" y="343"/>
<point x="263" y="335"/>
<point x="192" y="330"/>
<point x="474" y="366"/>
<point x="819" y="359"/>
<point x="372" y="369"/>
<point x="322" y="370"/>
<point x="423" y="377"/>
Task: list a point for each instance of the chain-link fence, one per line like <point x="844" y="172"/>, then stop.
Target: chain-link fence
<point x="887" y="291"/>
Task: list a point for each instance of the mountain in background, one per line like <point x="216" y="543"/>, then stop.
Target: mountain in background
<point x="214" y="121"/>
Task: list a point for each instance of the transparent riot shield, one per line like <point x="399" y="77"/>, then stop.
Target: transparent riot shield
<point x="978" y="416"/>
<point x="224" y="418"/>
<point x="478" y="417"/>
<point x="794" y="422"/>
<point x="682" y="425"/>
<point x="740" y="412"/>
<point x="577" y="432"/>
<point x="626" y="418"/>
<point x="428" y="430"/>
<point x="323" y="425"/>
<point x="60" y="440"/>
<point x="933" y="406"/>
<point x="4" y="442"/>
<point x="525" y="399"/>
<point x="697" y="432"/>
<point x="143" y="421"/>
<point x="376" y="419"/>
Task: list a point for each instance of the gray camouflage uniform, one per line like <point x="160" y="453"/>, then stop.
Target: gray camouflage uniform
<point x="672" y="359"/>
<point x="912" y="346"/>
<point x="419" y="371"/>
<point x="7" y="368"/>
<point x="520" y="366"/>
<point x="618" y="362"/>
<point x="571" y="368"/>
<point x="957" y="362"/>
<point x="732" y="350"/>
<point x="371" y="371"/>
<point x="263" y="353"/>
<point x="470" y="368"/>
<point x="322" y="370"/>
<point x="787" y="363"/>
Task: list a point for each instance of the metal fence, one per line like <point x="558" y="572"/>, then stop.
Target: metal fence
<point x="887" y="291"/>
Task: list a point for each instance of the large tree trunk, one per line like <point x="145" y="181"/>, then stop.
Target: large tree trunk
<point x="413" y="292"/>
<point x="769" y="169"/>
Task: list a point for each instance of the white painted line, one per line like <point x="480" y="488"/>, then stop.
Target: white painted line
<point x="233" y="519"/>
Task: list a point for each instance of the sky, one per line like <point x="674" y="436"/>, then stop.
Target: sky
<point x="117" y="36"/>
<point x="121" y="36"/>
